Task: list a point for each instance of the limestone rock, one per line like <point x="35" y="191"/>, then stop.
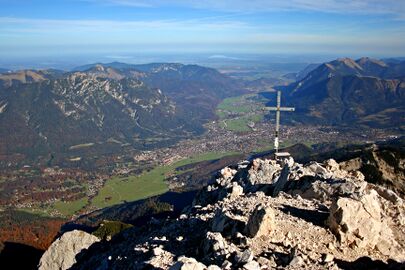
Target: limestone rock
<point x="252" y="265"/>
<point x="61" y="254"/>
<point x="389" y="195"/>
<point x="224" y="223"/>
<point x="351" y="165"/>
<point x="236" y="190"/>
<point x="317" y="169"/>
<point x="215" y="245"/>
<point x="226" y="265"/>
<point x="220" y="221"/>
<point x="262" y="172"/>
<point x="327" y="258"/>
<point x="288" y="161"/>
<point x="281" y="180"/>
<point x="157" y="251"/>
<point x="356" y="222"/>
<point x="296" y="261"/>
<point x="266" y="262"/>
<point x="162" y="259"/>
<point x="325" y="190"/>
<point x="228" y="173"/>
<point x="332" y="166"/>
<point x="184" y="263"/>
<point x="244" y="257"/>
<point x="261" y="222"/>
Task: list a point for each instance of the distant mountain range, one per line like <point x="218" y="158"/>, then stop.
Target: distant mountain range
<point x="197" y="89"/>
<point x="347" y="92"/>
<point x="50" y="111"/>
<point x="144" y="106"/>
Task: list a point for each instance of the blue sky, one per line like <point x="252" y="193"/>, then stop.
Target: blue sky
<point x="40" y="28"/>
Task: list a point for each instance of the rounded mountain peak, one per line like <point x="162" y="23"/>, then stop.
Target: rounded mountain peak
<point x="99" y="67"/>
<point x="367" y="60"/>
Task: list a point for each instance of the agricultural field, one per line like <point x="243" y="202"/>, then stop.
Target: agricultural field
<point x="240" y="113"/>
<point x="69" y="208"/>
<point x="121" y="189"/>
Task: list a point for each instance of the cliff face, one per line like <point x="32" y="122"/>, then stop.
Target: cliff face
<point x="262" y="215"/>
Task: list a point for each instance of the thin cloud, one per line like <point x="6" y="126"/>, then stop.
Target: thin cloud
<point x="221" y="56"/>
<point x="11" y="24"/>
<point x="396" y="7"/>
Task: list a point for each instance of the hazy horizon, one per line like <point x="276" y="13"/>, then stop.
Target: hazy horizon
<point x="210" y="60"/>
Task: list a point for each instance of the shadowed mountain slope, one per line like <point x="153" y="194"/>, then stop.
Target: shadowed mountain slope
<point x="345" y="91"/>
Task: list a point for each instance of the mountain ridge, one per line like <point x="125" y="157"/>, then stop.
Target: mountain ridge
<point x="345" y="91"/>
<point x="143" y="109"/>
<point x="82" y="108"/>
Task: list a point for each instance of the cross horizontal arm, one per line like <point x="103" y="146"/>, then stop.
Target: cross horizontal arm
<point x="282" y="109"/>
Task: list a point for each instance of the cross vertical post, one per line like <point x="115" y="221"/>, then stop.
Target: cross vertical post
<point x="278" y="109"/>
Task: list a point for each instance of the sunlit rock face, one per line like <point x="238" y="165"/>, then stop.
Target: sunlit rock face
<point x="62" y="253"/>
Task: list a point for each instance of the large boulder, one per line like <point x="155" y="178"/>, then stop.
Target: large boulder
<point x="215" y="246"/>
<point x="185" y="263"/>
<point x="325" y="181"/>
<point x="161" y="259"/>
<point x="261" y="222"/>
<point x="228" y="173"/>
<point x="262" y="172"/>
<point x="62" y="253"/>
<point x="282" y="180"/>
<point x="314" y="168"/>
<point x="351" y="165"/>
<point x="325" y="189"/>
<point x="235" y="191"/>
<point x="225" y="223"/>
<point x="388" y="194"/>
<point x="356" y="222"/>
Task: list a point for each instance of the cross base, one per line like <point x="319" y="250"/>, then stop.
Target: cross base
<point x="282" y="155"/>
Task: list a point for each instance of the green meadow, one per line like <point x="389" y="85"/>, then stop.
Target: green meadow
<point x="119" y="189"/>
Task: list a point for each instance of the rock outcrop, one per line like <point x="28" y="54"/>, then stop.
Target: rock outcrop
<point x="62" y="253"/>
<point x="264" y="215"/>
<point x="356" y="222"/>
<point x="261" y="222"/>
<point x="185" y="263"/>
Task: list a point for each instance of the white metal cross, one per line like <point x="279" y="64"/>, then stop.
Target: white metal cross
<point x="278" y="109"/>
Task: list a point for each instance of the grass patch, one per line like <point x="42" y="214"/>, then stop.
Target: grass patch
<point x="241" y="124"/>
<point x="237" y="112"/>
<point x="264" y="148"/>
<point x="203" y="157"/>
<point x="236" y="105"/>
<point x="71" y="207"/>
<point x="36" y="211"/>
<point x="120" y="189"/>
<point x="107" y="229"/>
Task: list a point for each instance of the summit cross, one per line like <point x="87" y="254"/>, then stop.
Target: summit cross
<point x="278" y="109"/>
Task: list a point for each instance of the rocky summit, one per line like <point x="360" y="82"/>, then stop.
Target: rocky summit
<point x="264" y="214"/>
